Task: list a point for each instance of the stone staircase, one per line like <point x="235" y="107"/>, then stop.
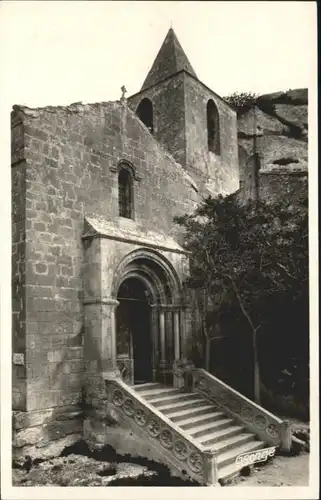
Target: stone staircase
<point x="205" y="422"/>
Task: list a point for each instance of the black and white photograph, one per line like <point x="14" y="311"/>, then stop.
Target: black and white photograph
<point x="159" y="267"/>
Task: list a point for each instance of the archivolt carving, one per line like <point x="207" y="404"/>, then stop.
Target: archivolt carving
<point x="155" y="262"/>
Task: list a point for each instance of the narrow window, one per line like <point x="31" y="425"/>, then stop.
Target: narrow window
<point x="213" y="128"/>
<point x="125" y="193"/>
<point x="145" y="113"/>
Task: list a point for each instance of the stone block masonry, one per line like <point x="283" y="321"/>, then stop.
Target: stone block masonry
<point x="180" y="124"/>
<point x="64" y="167"/>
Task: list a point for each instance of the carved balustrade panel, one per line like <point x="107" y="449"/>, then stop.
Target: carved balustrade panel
<point x="254" y="417"/>
<point x="190" y="455"/>
<point x="126" y="368"/>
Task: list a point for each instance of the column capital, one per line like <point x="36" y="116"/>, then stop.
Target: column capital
<point x="170" y="307"/>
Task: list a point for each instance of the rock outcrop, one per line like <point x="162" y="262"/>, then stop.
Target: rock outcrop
<point x="273" y="141"/>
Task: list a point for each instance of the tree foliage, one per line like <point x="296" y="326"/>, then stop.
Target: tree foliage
<point x="242" y="100"/>
<point x="251" y="260"/>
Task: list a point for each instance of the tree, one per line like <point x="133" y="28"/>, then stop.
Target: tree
<point x="245" y="253"/>
<point x="242" y="101"/>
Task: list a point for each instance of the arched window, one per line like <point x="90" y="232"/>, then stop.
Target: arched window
<point x="125" y="193"/>
<point x="213" y="128"/>
<point x="145" y="113"/>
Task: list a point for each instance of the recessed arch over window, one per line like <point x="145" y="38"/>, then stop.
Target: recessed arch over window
<point x="213" y="128"/>
<point x="125" y="192"/>
<point x="145" y="113"/>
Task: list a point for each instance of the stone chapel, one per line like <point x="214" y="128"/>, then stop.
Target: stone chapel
<point x="97" y="264"/>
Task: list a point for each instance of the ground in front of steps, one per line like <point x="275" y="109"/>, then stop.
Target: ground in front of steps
<point x="79" y="470"/>
<point x="281" y="471"/>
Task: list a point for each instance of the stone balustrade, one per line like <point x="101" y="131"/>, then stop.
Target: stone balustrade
<point x="126" y="367"/>
<point x="179" y="450"/>
<point x="256" y="419"/>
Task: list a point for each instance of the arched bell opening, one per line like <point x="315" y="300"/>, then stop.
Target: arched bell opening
<point x="145" y="113"/>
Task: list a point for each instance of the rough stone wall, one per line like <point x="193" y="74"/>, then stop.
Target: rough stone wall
<point x="276" y="129"/>
<point x="219" y="173"/>
<point x="167" y="98"/>
<point x="180" y="124"/>
<point x="66" y="169"/>
<point x="18" y="186"/>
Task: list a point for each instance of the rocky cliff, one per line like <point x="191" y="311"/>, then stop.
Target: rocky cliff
<point x="273" y="144"/>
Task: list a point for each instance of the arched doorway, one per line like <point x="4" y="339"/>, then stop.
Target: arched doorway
<point x="133" y="326"/>
<point x="149" y="317"/>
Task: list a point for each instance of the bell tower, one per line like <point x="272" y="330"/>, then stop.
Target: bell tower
<point x="196" y="126"/>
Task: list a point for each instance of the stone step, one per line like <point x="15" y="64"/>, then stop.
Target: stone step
<point x="150" y="394"/>
<point x="231" y="442"/>
<point x="159" y="401"/>
<point x="148" y="386"/>
<point x="179" y="415"/>
<point x="228" y="472"/>
<point x="206" y="423"/>
<point x="201" y="430"/>
<point x="228" y="457"/>
<point x="190" y="421"/>
<point x="214" y="437"/>
<point x="169" y="408"/>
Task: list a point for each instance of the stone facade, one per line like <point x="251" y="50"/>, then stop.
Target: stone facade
<point x="63" y="173"/>
<point x="71" y="250"/>
<point x="179" y="105"/>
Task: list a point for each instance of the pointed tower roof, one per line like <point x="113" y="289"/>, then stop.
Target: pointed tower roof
<point x="170" y="59"/>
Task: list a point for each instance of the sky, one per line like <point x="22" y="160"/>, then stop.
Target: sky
<point x="62" y="52"/>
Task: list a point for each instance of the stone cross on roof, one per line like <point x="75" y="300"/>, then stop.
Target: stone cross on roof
<point x="124" y="90"/>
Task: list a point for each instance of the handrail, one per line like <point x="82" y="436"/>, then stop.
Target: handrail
<point x="169" y="439"/>
<point x="258" y="420"/>
<point x="244" y="398"/>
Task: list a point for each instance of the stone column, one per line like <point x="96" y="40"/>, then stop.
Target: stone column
<point x="162" y="342"/>
<point x="169" y="342"/>
<point x="183" y="335"/>
<point x="177" y="347"/>
<point x="155" y="341"/>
